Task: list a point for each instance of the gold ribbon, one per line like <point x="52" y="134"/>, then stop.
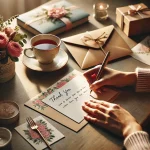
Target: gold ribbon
<point x="94" y="43"/>
<point x="134" y="11"/>
<point x="97" y="41"/>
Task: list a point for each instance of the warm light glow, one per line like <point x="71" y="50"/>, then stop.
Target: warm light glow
<point x="101" y="7"/>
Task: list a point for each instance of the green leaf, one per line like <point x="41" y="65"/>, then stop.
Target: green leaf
<point x="15" y="59"/>
<point x="24" y="41"/>
<point x="21" y="43"/>
<point x="25" y="35"/>
<point x="17" y="37"/>
<point x="17" y="28"/>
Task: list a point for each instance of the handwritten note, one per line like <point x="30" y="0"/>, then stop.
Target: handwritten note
<point x="68" y="99"/>
<point x="141" y="51"/>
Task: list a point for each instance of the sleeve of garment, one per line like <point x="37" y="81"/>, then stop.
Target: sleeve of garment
<point x="137" y="141"/>
<point x="143" y="80"/>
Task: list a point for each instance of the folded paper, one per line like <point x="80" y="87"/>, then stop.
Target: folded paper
<point x="88" y="55"/>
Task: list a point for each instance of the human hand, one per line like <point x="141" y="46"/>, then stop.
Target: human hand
<point x="110" y="77"/>
<point x="111" y="117"/>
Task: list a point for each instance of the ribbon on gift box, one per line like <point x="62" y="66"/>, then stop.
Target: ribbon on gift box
<point x="134" y="11"/>
<point x="55" y="13"/>
<point x="140" y="11"/>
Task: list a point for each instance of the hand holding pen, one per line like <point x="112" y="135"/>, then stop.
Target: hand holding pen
<point x="91" y="73"/>
<point x="110" y="79"/>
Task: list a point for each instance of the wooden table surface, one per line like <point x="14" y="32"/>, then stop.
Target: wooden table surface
<point x="28" y="83"/>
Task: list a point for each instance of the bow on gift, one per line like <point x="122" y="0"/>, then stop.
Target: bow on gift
<point x="133" y="11"/>
<point x="95" y="43"/>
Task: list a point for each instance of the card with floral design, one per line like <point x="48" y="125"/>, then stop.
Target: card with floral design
<point x="50" y="133"/>
<point x="141" y="51"/>
<point x="37" y="104"/>
<point x="69" y="99"/>
<point x="53" y="17"/>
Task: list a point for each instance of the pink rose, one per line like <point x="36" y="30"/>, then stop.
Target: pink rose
<point x="38" y="102"/>
<point x="45" y="133"/>
<point x="8" y="31"/>
<point x="57" y="12"/>
<point x="14" y="49"/>
<point x="71" y="77"/>
<point x="62" y="83"/>
<point x="41" y="127"/>
<point x="144" y="48"/>
<point x="3" y="41"/>
<point x="49" y="91"/>
<point x="34" y="134"/>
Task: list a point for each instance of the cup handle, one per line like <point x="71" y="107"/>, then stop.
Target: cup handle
<point x="28" y="49"/>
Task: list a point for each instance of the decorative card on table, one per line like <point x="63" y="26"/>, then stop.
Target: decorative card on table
<point x="53" y="17"/>
<point x="141" y="51"/>
<point x="63" y="101"/>
<point x="85" y="47"/>
<point x="69" y="99"/>
<point x="50" y="133"/>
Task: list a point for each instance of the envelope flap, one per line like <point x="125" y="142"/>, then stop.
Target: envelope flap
<point x="117" y="47"/>
<point x="87" y="57"/>
<point x="91" y="39"/>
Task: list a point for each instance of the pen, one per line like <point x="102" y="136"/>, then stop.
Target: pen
<point x="104" y="63"/>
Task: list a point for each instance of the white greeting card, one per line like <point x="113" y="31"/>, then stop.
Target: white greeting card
<point x="50" y="133"/>
<point x="69" y="99"/>
<point x="141" y="51"/>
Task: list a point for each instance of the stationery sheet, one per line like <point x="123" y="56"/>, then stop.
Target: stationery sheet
<point x="50" y="133"/>
<point x="141" y="51"/>
<point x="67" y="109"/>
<point x="69" y="99"/>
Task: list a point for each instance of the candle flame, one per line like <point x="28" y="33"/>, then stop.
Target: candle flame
<point x="101" y="7"/>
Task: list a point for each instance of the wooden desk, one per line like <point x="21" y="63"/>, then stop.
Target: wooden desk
<point x="27" y="83"/>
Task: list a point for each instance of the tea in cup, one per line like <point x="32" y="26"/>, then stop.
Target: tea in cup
<point x="45" y="47"/>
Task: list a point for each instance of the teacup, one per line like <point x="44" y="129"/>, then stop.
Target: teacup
<point x="45" y="47"/>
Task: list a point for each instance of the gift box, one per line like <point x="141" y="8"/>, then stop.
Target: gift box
<point x="133" y="19"/>
<point x="53" y="17"/>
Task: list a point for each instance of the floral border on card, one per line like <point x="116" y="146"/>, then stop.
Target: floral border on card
<point x="37" y="101"/>
<point x="143" y="47"/>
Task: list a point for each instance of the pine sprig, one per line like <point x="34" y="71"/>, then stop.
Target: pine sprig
<point x="4" y="24"/>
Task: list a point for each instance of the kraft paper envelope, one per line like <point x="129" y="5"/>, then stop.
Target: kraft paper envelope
<point x="87" y="55"/>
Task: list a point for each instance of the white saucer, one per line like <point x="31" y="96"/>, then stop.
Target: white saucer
<point x="59" y="61"/>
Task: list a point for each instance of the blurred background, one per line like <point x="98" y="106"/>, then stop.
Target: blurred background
<point x="9" y="8"/>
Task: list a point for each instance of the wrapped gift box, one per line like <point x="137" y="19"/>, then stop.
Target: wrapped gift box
<point x="133" y="24"/>
<point x="48" y="18"/>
